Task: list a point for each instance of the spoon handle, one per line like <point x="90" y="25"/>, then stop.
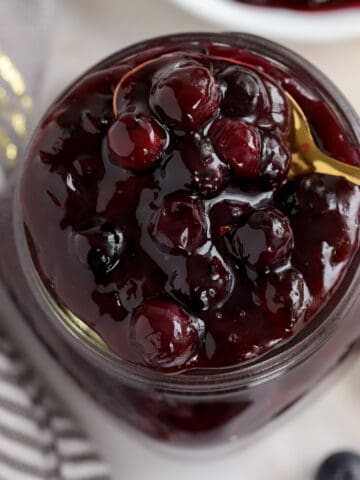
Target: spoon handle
<point x="309" y="158"/>
<point x="330" y="166"/>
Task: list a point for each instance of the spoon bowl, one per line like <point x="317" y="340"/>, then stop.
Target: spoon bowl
<point x="306" y="155"/>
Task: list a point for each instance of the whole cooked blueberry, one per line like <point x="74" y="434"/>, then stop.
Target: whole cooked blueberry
<point x="283" y="297"/>
<point x="254" y="96"/>
<point x="99" y="246"/>
<point x="194" y="167"/>
<point x="205" y="282"/>
<point x="208" y="174"/>
<point x="165" y="335"/>
<point x="275" y="158"/>
<point x="179" y="224"/>
<point x="340" y="466"/>
<point x="184" y="93"/>
<point x="244" y="91"/>
<point x="239" y="145"/>
<point x="135" y="142"/>
<point x="226" y="214"/>
<point x="263" y="241"/>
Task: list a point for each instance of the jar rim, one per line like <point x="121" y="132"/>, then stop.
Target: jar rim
<point x="320" y="328"/>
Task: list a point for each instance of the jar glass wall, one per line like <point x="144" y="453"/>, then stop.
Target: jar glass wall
<point x="204" y="406"/>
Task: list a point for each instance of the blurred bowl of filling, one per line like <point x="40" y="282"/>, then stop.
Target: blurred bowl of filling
<point x="298" y="20"/>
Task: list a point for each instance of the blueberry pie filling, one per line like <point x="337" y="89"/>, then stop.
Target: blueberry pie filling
<point x="158" y="209"/>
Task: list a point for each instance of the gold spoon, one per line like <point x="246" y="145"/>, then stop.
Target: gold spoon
<point x="307" y="157"/>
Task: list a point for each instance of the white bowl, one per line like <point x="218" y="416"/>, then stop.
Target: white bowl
<point x="278" y="23"/>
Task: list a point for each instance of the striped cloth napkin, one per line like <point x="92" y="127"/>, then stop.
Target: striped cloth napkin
<point x="38" y="440"/>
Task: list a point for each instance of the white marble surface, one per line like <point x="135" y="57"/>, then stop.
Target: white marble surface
<point x="84" y="31"/>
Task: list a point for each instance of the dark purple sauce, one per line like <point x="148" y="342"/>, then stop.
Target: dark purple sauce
<point x="170" y="228"/>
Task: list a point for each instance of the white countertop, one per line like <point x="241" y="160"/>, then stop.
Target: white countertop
<point x="84" y="31"/>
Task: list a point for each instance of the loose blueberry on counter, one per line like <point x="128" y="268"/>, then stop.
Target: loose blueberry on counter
<point x="340" y="466"/>
<point x="165" y="336"/>
<point x="264" y="241"/>
<point x="184" y="94"/>
<point x="135" y="142"/>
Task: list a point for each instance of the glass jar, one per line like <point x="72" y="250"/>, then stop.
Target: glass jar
<point x="205" y="407"/>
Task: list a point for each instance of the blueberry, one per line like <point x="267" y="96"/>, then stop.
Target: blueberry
<point x="340" y="466"/>
<point x="165" y="335"/>
<point x="179" y="225"/>
<point x="99" y="246"/>
<point x="208" y="174"/>
<point x="244" y="91"/>
<point x="283" y="298"/>
<point x="264" y="241"/>
<point x="239" y="145"/>
<point x="275" y="158"/>
<point x="185" y="94"/>
<point x="135" y="142"/>
<point x="205" y="283"/>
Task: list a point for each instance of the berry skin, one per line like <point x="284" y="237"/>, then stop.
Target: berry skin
<point x="99" y="247"/>
<point x="283" y="297"/>
<point x="165" y="335"/>
<point x="208" y="175"/>
<point x="238" y="145"/>
<point x="264" y="241"/>
<point x="275" y="158"/>
<point x="135" y="142"/>
<point x="243" y="94"/>
<point x="179" y="225"/>
<point x="185" y="94"/>
<point x="340" y="466"/>
<point x="226" y="214"/>
<point x="203" y="284"/>
<point x="194" y="168"/>
<point x="275" y="116"/>
<point x="254" y="96"/>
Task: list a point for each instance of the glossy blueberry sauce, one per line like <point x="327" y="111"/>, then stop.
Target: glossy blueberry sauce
<point x="170" y="226"/>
